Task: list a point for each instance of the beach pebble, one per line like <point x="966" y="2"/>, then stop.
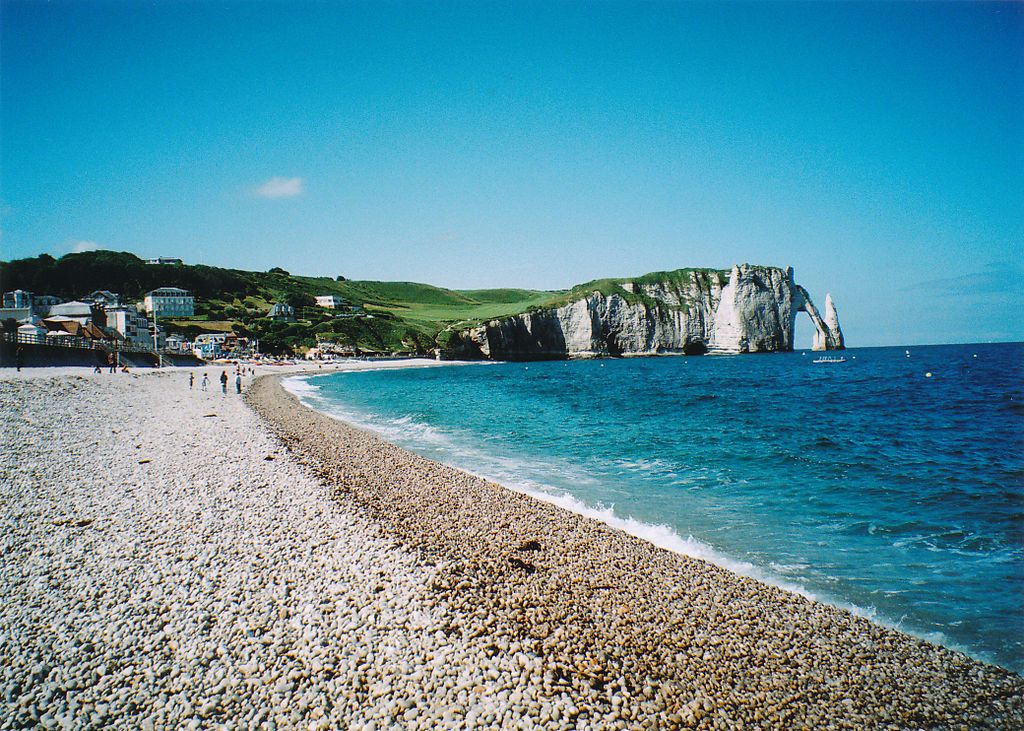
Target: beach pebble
<point x="346" y="583"/>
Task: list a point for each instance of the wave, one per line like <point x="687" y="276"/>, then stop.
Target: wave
<point x="300" y="386"/>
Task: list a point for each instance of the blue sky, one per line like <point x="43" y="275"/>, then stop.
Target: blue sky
<point x="877" y="148"/>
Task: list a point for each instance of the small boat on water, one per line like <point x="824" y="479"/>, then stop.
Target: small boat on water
<point x="829" y="359"/>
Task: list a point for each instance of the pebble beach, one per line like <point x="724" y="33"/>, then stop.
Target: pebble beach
<point x="180" y="559"/>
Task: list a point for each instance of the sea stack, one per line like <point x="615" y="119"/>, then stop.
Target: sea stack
<point x="832" y="323"/>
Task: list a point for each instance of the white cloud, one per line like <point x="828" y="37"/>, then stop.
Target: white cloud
<point x="77" y="247"/>
<point x="278" y="187"/>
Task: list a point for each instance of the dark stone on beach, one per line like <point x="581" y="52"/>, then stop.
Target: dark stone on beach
<point x="519" y="564"/>
<point x="529" y="546"/>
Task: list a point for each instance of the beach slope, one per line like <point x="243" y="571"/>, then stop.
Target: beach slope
<point x="172" y="558"/>
<point x="630" y="632"/>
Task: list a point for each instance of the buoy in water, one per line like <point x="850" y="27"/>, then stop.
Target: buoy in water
<point x="928" y="374"/>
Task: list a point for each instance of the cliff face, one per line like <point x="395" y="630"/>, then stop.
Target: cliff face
<point x="749" y="309"/>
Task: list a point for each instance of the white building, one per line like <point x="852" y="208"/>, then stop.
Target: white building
<point x="21" y="314"/>
<point x="74" y="310"/>
<point x="104" y="297"/>
<point x="178" y="343"/>
<point x="169" y="302"/>
<point x="209" y="345"/>
<point x="330" y="301"/>
<point x="17" y="299"/>
<point x="132" y="325"/>
<point x="282" y="312"/>
<point x="32" y="333"/>
<point x="164" y="260"/>
<point x="41" y="303"/>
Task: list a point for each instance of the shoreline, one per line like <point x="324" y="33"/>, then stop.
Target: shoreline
<point x="484" y="527"/>
<point x="658" y="535"/>
<point x="176" y="559"/>
<point x="315" y="368"/>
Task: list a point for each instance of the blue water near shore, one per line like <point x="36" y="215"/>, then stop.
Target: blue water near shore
<point x="864" y="484"/>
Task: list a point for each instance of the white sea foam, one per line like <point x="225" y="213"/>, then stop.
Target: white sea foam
<point x="299" y="386"/>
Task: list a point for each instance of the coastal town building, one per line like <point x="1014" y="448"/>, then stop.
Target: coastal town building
<point x="210" y="345"/>
<point x="20" y="305"/>
<point x="61" y="328"/>
<point x="32" y="332"/>
<point x="18" y="299"/>
<point x="282" y="312"/>
<point x="18" y="314"/>
<point x="41" y="303"/>
<point x="82" y="312"/>
<point x="177" y="343"/>
<point x="169" y="302"/>
<point x="330" y="301"/>
<point x="132" y="325"/>
<point x="103" y="297"/>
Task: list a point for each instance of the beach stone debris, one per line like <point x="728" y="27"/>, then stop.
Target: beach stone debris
<point x="529" y="568"/>
<point x="530" y="545"/>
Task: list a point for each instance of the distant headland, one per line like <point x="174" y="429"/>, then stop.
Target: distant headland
<point x="747" y="309"/>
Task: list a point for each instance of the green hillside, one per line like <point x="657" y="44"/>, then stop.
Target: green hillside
<point x="382" y="317"/>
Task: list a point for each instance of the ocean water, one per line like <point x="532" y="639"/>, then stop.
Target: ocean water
<point x="868" y="484"/>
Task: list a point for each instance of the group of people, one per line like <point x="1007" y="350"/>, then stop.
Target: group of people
<point x="112" y="364"/>
<point x="205" y="383"/>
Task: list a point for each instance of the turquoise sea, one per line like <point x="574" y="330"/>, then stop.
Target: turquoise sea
<point x="868" y="484"/>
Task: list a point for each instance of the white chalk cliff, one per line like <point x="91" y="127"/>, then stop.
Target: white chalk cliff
<point x="750" y="309"/>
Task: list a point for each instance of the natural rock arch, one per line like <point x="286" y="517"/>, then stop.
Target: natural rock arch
<point x="827" y="333"/>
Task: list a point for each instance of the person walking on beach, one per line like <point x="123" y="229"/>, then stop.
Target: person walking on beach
<point x="110" y="362"/>
<point x="191" y="380"/>
<point x="238" y="382"/>
<point x="223" y="381"/>
<point x="205" y="381"/>
<point x="19" y="358"/>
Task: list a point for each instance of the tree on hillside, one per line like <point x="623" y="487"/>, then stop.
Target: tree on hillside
<point x="298" y="300"/>
<point x="75" y="275"/>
